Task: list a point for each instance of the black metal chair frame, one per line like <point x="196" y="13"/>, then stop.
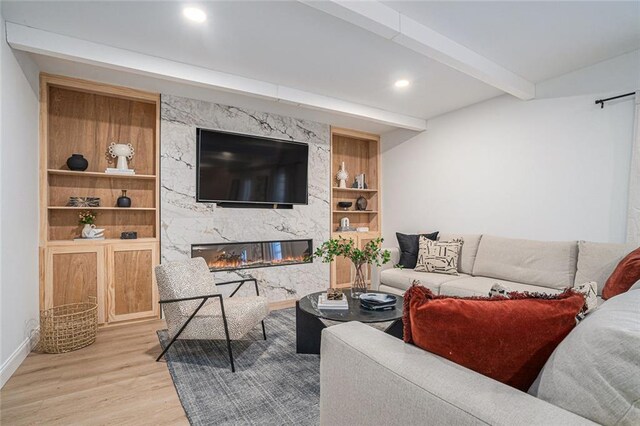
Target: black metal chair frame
<point x="224" y="317"/>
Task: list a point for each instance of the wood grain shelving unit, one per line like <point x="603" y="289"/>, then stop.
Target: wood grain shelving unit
<point x="354" y="212"/>
<point x="98" y="174"/>
<point x="361" y="154"/>
<point x="336" y="189"/>
<point x="101" y="208"/>
<point x="83" y="117"/>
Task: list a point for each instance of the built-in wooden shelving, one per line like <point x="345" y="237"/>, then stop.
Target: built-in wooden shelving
<point x="83" y="117"/>
<point x="106" y="241"/>
<point x="336" y="189"/>
<point x="355" y="212"/>
<point x="99" y="174"/>
<point x="101" y="208"/>
<point x="360" y="153"/>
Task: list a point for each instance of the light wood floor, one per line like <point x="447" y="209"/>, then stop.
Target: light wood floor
<point x="114" y="381"/>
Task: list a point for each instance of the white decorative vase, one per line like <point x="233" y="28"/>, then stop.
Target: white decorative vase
<point x="342" y="176"/>
<point x="123" y="152"/>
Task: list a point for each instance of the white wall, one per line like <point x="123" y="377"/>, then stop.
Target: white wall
<point x="18" y="207"/>
<point x="554" y="168"/>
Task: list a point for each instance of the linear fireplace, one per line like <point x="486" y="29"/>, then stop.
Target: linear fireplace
<point x="256" y="254"/>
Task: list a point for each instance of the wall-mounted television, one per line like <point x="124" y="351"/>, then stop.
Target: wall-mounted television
<point x="244" y="169"/>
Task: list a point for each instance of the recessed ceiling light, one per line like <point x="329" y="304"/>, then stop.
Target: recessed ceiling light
<point x="194" y="14"/>
<point x="401" y="83"/>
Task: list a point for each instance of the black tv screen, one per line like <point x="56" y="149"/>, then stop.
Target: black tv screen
<point x="236" y="168"/>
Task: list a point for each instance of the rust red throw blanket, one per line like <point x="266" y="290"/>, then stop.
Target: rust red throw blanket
<point x="508" y="340"/>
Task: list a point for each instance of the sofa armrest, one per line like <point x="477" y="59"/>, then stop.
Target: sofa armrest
<point x="375" y="270"/>
<point x="370" y="377"/>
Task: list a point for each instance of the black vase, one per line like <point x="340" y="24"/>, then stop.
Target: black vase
<point x="123" y="200"/>
<point x="77" y="163"/>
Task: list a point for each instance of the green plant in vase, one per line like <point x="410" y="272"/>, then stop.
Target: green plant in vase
<point x="87" y="217"/>
<point x="371" y="254"/>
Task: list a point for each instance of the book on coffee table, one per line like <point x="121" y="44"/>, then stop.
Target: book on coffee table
<point x="324" y="303"/>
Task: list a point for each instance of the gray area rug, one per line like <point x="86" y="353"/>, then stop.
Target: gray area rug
<point x="272" y="385"/>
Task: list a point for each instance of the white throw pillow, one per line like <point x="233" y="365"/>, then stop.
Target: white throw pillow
<point x="590" y="292"/>
<point x="440" y="257"/>
<point x="499" y="290"/>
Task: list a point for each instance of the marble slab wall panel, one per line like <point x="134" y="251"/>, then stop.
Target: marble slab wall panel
<point x="185" y="222"/>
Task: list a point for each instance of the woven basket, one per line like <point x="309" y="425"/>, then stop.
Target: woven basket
<point x="66" y="328"/>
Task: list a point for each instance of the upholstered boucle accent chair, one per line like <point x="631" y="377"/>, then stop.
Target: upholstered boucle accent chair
<point x="195" y="310"/>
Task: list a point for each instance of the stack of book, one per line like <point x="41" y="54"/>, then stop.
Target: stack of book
<point x="378" y="301"/>
<point x="112" y="171"/>
<point x="325" y="303"/>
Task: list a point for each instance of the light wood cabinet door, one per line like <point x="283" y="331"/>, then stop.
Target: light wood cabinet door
<point x="362" y="242"/>
<point x="341" y="268"/>
<point x="74" y="275"/>
<point x="132" y="291"/>
<point x="341" y="272"/>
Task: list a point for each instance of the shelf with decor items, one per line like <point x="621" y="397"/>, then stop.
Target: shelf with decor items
<point x="337" y="189"/>
<point x="76" y="173"/>
<point x="100" y="208"/>
<point x="360" y="154"/>
<point x="355" y="212"/>
<point x="83" y="117"/>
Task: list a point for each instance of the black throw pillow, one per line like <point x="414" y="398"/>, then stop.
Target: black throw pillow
<point x="409" y="245"/>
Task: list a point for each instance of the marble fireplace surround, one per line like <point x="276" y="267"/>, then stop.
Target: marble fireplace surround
<point x="185" y="222"/>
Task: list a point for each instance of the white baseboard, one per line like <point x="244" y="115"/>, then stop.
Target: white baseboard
<point x="13" y="362"/>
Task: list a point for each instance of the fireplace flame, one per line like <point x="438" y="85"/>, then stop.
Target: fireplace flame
<point x="234" y="262"/>
<point x="227" y="256"/>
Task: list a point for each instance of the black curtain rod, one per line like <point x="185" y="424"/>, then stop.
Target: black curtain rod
<point x="602" y="101"/>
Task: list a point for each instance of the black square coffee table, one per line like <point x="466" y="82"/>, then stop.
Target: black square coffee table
<point x="309" y="325"/>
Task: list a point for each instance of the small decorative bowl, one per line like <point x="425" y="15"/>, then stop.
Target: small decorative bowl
<point x="344" y="205"/>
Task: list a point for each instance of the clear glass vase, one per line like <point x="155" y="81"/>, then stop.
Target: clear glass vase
<point x="359" y="277"/>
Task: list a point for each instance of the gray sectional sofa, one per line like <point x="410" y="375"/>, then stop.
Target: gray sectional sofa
<point x="520" y="265"/>
<point x="370" y="378"/>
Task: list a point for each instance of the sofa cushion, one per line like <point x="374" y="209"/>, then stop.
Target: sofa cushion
<point x="242" y="313"/>
<point x="440" y="257"/>
<point x="481" y="286"/>
<point x="596" y="261"/>
<point x="402" y="278"/>
<point x="594" y="371"/>
<point x="409" y="245"/>
<point x="492" y="336"/>
<point x="543" y="263"/>
<point x="467" y="251"/>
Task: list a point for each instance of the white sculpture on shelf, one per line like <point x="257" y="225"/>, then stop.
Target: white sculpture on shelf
<point x="123" y="152"/>
<point x="342" y="176"/>
<point x="91" y="232"/>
